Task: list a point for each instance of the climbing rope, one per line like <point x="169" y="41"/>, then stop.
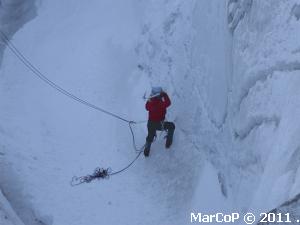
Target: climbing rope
<point x="44" y="78"/>
<point x="99" y="172"/>
<point x="133" y="137"/>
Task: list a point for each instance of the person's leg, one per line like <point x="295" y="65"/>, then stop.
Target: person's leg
<point x="151" y="134"/>
<point x="170" y="127"/>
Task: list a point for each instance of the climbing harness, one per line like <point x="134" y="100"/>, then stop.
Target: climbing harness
<point x="99" y="172"/>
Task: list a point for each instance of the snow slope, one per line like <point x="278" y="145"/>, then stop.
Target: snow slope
<point x="13" y="15"/>
<point x="289" y="210"/>
<point x="47" y="138"/>
<point x="264" y="102"/>
<point x="7" y="214"/>
<point x="192" y="59"/>
<point x="231" y="70"/>
<point x="243" y="88"/>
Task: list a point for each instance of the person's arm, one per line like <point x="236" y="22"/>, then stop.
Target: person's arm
<point x="148" y="105"/>
<point x="167" y="101"/>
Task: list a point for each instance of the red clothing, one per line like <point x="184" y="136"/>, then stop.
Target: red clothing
<point x="157" y="107"/>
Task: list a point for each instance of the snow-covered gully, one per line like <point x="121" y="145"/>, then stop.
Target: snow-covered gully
<point x="231" y="68"/>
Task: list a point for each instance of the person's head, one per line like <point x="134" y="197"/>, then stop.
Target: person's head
<point x="155" y="92"/>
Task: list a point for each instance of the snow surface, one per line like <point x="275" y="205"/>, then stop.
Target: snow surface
<point x="264" y="104"/>
<point x="47" y="138"/>
<point x="290" y="211"/>
<point x="7" y="214"/>
<point x="231" y="69"/>
<point x="14" y="14"/>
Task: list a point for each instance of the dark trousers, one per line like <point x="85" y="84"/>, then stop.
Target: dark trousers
<point x="154" y="126"/>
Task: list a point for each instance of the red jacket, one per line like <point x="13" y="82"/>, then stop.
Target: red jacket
<point x="157" y="107"/>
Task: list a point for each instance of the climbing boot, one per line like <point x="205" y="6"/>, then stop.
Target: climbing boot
<point x="147" y="149"/>
<point x="169" y="142"/>
<point x="171" y="128"/>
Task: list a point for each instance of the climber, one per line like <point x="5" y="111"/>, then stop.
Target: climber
<point x="157" y="106"/>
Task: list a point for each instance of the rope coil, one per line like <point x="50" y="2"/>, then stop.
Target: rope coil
<point x="100" y="173"/>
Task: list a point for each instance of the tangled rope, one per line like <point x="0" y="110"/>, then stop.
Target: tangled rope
<point x="99" y="173"/>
